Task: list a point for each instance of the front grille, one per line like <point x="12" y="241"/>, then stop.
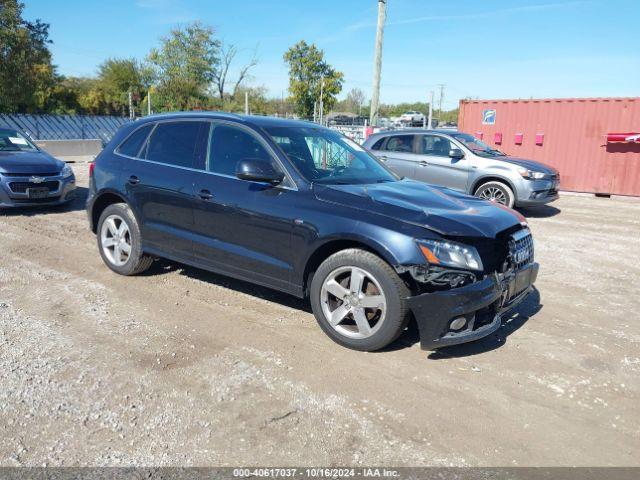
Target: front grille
<point x="496" y="253"/>
<point x="21" y="187"/>
<point x="521" y="248"/>
<point x="27" y="175"/>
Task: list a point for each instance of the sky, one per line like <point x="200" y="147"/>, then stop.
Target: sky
<point x="479" y="49"/>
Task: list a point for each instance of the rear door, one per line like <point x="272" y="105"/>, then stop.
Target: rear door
<point x="160" y="186"/>
<point x="437" y="167"/>
<point x="398" y="152"/>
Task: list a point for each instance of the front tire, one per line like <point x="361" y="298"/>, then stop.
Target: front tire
<point x="119" y="241"/>
<point x="359" y="301"/>
<point x="496" y="192"/>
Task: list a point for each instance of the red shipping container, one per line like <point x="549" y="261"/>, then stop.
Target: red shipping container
<point x="574" y="139"/>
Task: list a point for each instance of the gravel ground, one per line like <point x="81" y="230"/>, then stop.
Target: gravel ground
<point x="184" y="367"/>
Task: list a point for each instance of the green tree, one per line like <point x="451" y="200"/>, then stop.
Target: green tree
<point x="184" y="67"/>
<point x="116" y="78"/>
<point x="450" y="116"/>
<point x="307" y="72"/>
<point x="355" y="101"/>
<point x="398" y="109"/>
<point x="26" y="72"/>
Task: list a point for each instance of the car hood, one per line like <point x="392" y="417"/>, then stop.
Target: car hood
<point x="29" y="162"/>
<point x="529" y="164"/>
<point x="439" y="209"/>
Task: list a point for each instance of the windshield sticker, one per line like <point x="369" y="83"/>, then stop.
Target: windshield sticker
<point x="18" y="141"/>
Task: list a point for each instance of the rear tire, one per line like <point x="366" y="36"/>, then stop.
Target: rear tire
<point x="496" y="192"/>
<point x="359" y="301"/>
<point x="120" y="242"/>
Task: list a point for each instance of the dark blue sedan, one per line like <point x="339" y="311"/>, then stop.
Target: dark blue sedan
<point x="30" y="176"/>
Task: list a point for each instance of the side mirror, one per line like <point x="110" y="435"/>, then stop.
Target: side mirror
<point x="258" y="171"/>
<point x="456" y="153"/>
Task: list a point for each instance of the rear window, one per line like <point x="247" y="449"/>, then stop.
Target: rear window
<point x="174" y="143"/>
<point x="131" y="146"/>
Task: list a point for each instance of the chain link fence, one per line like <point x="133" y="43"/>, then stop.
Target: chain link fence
<point x="64" y="127"/>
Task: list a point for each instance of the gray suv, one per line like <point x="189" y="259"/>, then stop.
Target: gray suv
<point x="462" y="162"/>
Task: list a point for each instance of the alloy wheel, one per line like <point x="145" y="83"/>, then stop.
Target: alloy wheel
<point x="493" y="194"/>
<point x="115" y="239"/>
<point x="353" y="302"/>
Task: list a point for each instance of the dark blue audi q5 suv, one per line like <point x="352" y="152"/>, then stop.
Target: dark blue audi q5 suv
<point x="302" y="209"/>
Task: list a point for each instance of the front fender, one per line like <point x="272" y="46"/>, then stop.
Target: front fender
<point x="503" y="174"/>
<point x="398" y="250"/>
<point x="395" y="248"/>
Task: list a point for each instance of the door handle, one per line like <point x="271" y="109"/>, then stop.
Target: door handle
<point x="133" y="180"/>
<point x="205" y="194"/>
<point x="423" y="163"/>
<point x="384" y="158"/>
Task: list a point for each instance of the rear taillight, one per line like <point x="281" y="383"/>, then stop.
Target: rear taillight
<point x="92" y="165"/>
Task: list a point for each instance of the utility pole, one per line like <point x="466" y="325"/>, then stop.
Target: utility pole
<point x="246" y="102"/>
<point x="131" y="112"/>
<point x="440" y="101"/>
<point x="321" y="101"/>
<point x="377" y="63"/>
<point x="430" y="111"/>
<point x="149" y="102"/>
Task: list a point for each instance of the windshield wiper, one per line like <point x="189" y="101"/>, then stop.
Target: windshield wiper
<point x="487" y="151"/>
<point x="331" y="181"/>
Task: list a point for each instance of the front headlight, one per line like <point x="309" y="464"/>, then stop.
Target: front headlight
<point x="530" y="174"/>
<point x="450" y="254"/>
<point x="66" y="171"/>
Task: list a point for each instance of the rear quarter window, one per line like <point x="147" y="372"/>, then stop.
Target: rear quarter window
<point x="131" y="146"/>
<point x="378" y="144"/>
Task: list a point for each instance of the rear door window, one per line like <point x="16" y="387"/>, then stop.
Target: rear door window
<point x="131" y="146"/>
<point x="400" y="144"/>
<point x="175" y="143"/>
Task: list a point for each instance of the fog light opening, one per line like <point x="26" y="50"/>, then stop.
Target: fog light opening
<point x="458" y="324"/>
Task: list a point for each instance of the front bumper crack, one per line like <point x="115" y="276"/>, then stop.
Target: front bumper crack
<point x="493" y="295"/>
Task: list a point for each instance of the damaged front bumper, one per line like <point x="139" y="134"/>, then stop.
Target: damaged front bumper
<point x="475" y="309"/>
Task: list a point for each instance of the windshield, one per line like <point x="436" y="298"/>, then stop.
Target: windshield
<point x="14" y="141"/>
<point x="325" y="156"/>
<point x="477" y="146"/>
